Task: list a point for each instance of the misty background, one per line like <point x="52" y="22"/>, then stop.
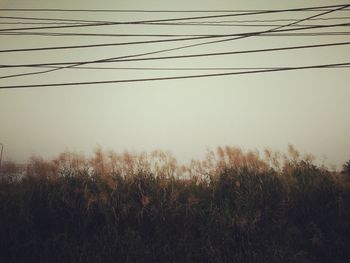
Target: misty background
<point x="308" y="109"/>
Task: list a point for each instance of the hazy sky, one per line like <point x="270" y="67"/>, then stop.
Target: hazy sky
<point x="309" y="108"/>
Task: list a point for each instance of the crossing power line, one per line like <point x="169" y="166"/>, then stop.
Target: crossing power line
<point x="293" y="27"/>
<point x="161" y="40"/>
<point x="183" y="47"/>
<point x="336" y="7"/>
<point x="199" y="23"/>
<point x="174" y="78"/>
<point x="159" y="11"/>
<point x="121" y="59"/>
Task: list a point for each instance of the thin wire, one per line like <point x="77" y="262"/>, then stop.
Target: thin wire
<point x="178" y="68"/>
<point x="236" y="52"/>
<point x="219" y="41"/>
<point x="143" y="10"/>
<point x="220" y="25"/>
<point x="104" y="44"/>
<point x="173" y="78"/>
<point x="143" y="69"/>
<point x="130" y="57"/>
<point x="57" y="34"/>
<point x="105" y="35"/>
<point x="210" y="24"/>
<point x="104" y="21"/>
<point x="204" y="43"/>
<point x="160" y="40"/>
<point x="272" y="20"/>
<point x="109" y="44"/>
<point x="199" y="55"/>
<point x="39" y="23"/>
<point x="54" y="19"/>
<point x="179" y="19"/>
<point x="178" y="48"/>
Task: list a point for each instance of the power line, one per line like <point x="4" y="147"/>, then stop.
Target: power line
<point x="187" y="46"/>
<point x="53" y="19"/>
<point x="102" y="45"/>
<point x="111" y="44"/>
<point x="235" y="52"/>
<point x="113" y="59"/>
<point x="58" y="34"/>
<point x="164" y="40"/>
<point x="104" y="21"/>
<point x="177" y="68"/>
<point x="149" y="11"/>
<point x="173" y="78"/>
<point x="67" y="26"/>
<point x="143" y="69"/>
<point x="340" y="7"/>
<point x="182" y="56"/>
<point x="105" y="35"/>
<point x="216" y="24"/>
<point x="210" y="42"/>
<point x="219" y="24"/>
<point x="217" y="41"/>
<point x="38" y="23"/>
<point x="169" y="57"/>
<point x="273" y="20"/>
<point x="177" y="24"/>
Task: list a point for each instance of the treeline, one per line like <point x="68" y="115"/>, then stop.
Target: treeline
<point x="234" y="206"/>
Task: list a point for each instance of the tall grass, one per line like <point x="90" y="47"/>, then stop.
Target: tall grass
<point x="234" y="206"/>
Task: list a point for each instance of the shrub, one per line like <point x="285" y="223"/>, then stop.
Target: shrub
<point x="233" y="210"/>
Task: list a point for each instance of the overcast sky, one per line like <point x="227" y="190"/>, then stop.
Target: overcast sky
<point x="309" y="109"/>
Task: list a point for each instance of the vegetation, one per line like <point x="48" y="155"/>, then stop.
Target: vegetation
<point x="234" y="206"/>
<point x="346" y="167"/>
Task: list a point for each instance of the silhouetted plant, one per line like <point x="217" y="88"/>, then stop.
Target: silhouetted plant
<point x="231" y="207"/>
<point x="346" y="167"/>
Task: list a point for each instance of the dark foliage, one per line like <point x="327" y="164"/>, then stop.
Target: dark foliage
<point x="241" y="215"/>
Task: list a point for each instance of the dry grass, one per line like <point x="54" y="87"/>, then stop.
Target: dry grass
<point x="233" y="206"/>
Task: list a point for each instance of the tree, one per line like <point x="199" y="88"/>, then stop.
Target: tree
<point x="346" y="167"/>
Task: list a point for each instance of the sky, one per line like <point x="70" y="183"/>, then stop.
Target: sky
<point x="306" y="108"/>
